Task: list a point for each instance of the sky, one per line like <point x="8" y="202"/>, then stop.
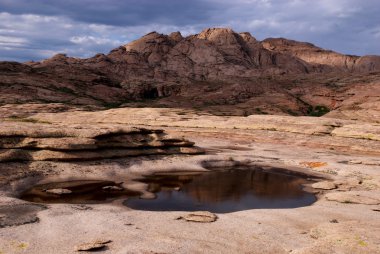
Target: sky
<point x="38" y="29"/>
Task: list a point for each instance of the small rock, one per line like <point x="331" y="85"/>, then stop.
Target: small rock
<point x="324" y="185"/>
<point x="96" y="245"/>
<point x="355" y="162"/>
<point x="334" y="221"/>
<point x="201" y="216"/>
<point x="58" y="191"/>
<point x="148" y="195"/>
<point x="112" y="188"/>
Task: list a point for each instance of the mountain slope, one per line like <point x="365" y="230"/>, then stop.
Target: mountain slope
<point x="318" y="56"/>
<point x="217" y="70"/>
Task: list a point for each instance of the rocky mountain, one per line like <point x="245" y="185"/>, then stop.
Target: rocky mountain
<point x="217" y="70"/>
<point x="327" y="59"/>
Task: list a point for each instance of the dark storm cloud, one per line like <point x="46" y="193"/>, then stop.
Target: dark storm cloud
<point x="37" y="29"/>
<point x="116" y="12"/>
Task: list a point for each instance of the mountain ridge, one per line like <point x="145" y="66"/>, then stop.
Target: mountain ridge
<point x="229" y="42"/>
<point x="216" y="70"/>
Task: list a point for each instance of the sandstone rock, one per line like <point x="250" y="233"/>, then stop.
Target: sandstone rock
<point x="92" y="246"/>
<point x="362" y="131"/>
<point x="59" y="191"/>
<point x="148" y="195"/>
<point x="327" y="58"/>
<point x="353" y="197"/>
<point x="112" y="188"/>
<point x="355" y="162"/>
<point x="348" y="184"/>
<point x="39" y="142"/>
<point x="305" y="131"/>
<point x="201" y="216"/>
<point x="325" y="185"/>
<point x="50" y="155"/>
<point x="313" y="164"/>
<point x="271" y="76"/>
<point x="19" y="214"/>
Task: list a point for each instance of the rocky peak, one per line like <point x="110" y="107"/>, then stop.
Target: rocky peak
<point x="284" y="44"/>
<point x="176" y="36"/>
<point x="146" y="42"/>
<point x="60" y="57"/>
<point x="214" y="54"/>
<point x="247" y="37"/>
<point x="219" y="36"/>
<point x="310" y="53"/>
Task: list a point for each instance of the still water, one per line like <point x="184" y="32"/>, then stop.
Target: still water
<point x="219" y="191"/>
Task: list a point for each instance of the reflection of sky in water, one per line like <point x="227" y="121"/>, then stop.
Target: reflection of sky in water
<point x="225" y="191"/>
<point x="214" y="191"/>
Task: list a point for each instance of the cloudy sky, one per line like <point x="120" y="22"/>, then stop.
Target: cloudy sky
<point x="37" y="29"/>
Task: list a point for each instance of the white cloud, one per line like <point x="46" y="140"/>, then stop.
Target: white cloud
<point x="349" y="26"/>
<point x="85" y="40"/>
<point x="12" y="41"/>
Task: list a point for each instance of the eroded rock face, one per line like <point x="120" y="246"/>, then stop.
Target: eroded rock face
<point x="215" y="70"/>
<point x="324" y="60"/>
<point x="93" y="246"/>
<point x="41" y="142"/>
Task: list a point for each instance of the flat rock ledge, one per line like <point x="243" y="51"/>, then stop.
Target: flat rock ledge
<point x="51" y="142"/>
<point x="92" y="246"/>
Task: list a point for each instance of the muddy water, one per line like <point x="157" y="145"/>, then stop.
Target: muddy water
<point x="219" y="191"/>
<point x="223" y="191"/>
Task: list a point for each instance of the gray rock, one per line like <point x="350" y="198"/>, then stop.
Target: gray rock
<point x="19" y="214"/>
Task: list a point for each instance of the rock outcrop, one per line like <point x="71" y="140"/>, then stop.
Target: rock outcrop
<point x="327" y="60"/>
<point x="48" y="142"/>
<point x="213" y="70"/>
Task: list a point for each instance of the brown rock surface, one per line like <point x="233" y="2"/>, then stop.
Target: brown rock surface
<point x="302" y="145"/>
<point x="92" y="246"/>
<point x="213" y="88"/>
<point x="218" y="71"/>
<point x="200" y="216"/>
<point x="310" y="131"/>
<point x="325" y="185"/>
<point x="352" y="197"/>
<point x="22" y="141"/>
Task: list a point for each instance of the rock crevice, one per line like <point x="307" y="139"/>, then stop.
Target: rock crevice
<point x="36" y="142"/>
